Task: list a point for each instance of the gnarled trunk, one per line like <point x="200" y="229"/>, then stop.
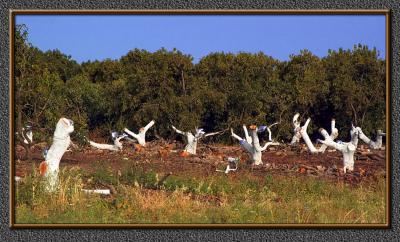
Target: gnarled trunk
<point x="191" y="143"/>
<point x="256" y="154"/>
<point x="191" y="140"/>
<point x="254" y="149"/>
<point x="347" y="148"/>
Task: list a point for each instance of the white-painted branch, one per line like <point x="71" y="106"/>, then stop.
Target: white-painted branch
<point x="103" y="146"/>
<point x="235" y="135"/>
<point x="306" y="138"/>
<point x="141" y="136"/>
<point x="268" y="144"/>
<point x="97" y="191"/>
<point x="372" y="144"/>
<point x="211" y="134"/>
<point x="243" y="142"/>
<point x="27" y="135"/>
<point x="148" y="126"/>
<point x="269" y="131"/>
<point x="246" y="135"/>
<point x="296" y="130"/>
<point x="115" y="147"/>
<point x="178" y="131"/>
<point x="334" y="134"/>
<point x="233" y="162"/>
<point x="61" y="142"/>
<point x="28" y="138"/>
<point x="131" y="133"/>
<point x="227" y="170"/>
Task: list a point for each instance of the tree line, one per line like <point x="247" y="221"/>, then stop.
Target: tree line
<point x="222" y="90"/>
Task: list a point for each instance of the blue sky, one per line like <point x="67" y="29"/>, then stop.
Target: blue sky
<point x="92" y="37"/>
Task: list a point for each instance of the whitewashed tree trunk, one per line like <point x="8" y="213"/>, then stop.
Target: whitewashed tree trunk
<point x="256" y="154"/>
<point x="296" y="130"/>
<point x="191" y="140"/>
<point x="61" y="142"/>
<point x="334" y="134"/>
<point x="141" y="136"/>
<point x="372" y="144"/>
<point x="347" y="148"/>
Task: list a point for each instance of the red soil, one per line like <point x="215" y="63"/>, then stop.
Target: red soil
<point x="162" y="157"/>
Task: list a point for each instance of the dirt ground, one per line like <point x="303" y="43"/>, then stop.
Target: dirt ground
<point x="163" y="157"/>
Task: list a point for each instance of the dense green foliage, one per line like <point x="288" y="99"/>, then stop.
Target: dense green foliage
<point x="223" y="90"/>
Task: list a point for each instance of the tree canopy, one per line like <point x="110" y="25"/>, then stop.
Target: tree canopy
<point x="223" y="90"/>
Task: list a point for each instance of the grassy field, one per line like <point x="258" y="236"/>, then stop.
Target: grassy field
<point x="140" y="198"/>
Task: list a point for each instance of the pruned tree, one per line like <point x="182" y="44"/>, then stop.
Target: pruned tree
<point x="141" y="136"/>
<point x="372" y="144"/>
<point x="61" y="141"/>
<point x="249" y="139"/>
<point x="302" y="131"/>
<point x="254" y="148"/>
<point x="347" y="148"/>
<point x="191" y="140"/>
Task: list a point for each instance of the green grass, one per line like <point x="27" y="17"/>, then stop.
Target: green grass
<point x="215" y="199"/>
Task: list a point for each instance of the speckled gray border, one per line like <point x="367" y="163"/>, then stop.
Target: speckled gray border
<point x="194" y="234"/>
